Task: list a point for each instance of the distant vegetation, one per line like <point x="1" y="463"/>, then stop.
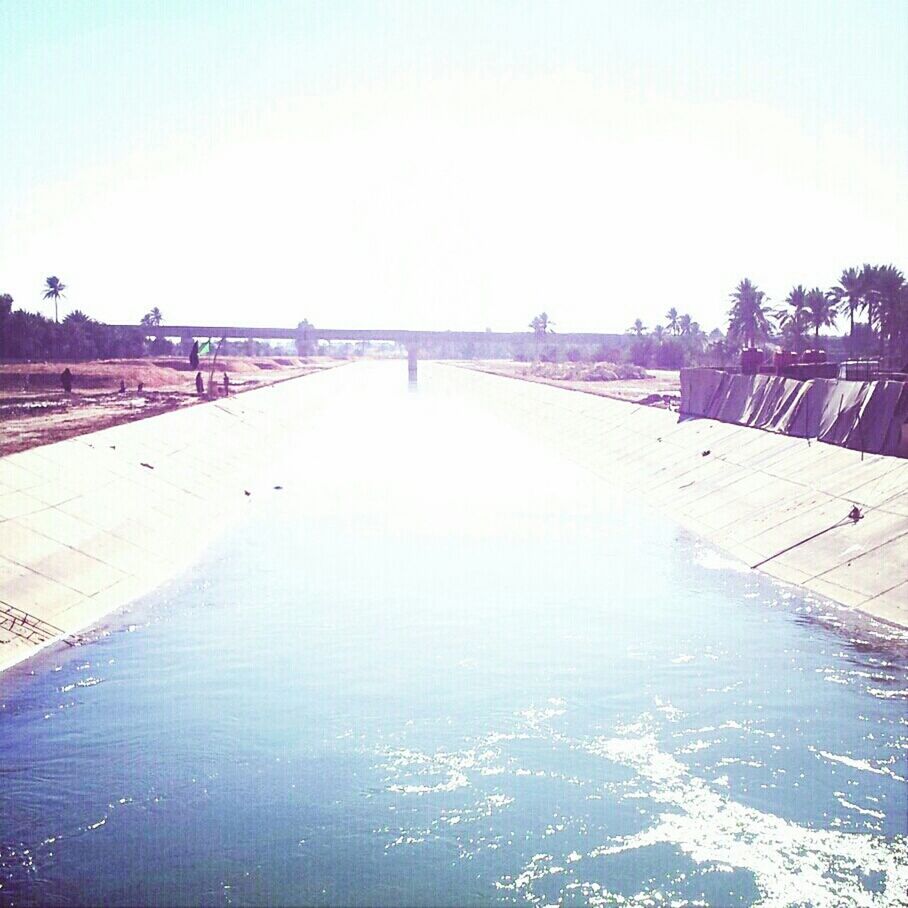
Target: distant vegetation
<point x="872" y="301"/>
<point x="878" y="294"/>
<point x="31" y="337"/>
<point x="600" y="371"/>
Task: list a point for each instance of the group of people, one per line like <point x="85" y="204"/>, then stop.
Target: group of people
<point x="200" y="384"/>
<point x="66" y="380"/>
<point x="66" y="377"/>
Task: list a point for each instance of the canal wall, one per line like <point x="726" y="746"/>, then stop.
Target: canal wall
<point x="867" y="416"/>
<point x="91" y="523"/>
<point x="777" y="503"/>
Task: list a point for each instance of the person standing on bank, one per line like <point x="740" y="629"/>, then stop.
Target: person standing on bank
<point x="66" y="379"/>
<point x="226" y="385"/>
<point x="199" y="384"/>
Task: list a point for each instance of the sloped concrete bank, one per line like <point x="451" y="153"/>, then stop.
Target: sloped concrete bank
<point x="775" y="502"/>
<point x="90" y="523"/>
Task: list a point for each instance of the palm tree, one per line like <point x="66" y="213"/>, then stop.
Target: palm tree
<point x="541" y="324"/>
<point x="153" y="318"/>
<point x="888" y="285"/>
<point x="901" y="350"/>
<point x="76" y="317"/>
<point x="869" y="293"/>
<point x="792" y="325"/>
<point x="793" y="321"/>
<point x="658" y="333"/>
<point x="747" y="316"/>
<point x="820" y="311"/>
<point x="637" y="328"/>
<point x="54" y="291"/>
<point x="717" y="346"/>
<point x="697" y="337"/>
<point x="849" y="292"/>
<point x="797" y="298"/>
<point x="306" y="345"/>
<point x="684" y="324"/>
<point x="77" y="337"/>
<point x="672" y="318"/>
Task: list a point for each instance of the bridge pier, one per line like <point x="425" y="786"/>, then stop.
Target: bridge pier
<point x="411" y="361"/>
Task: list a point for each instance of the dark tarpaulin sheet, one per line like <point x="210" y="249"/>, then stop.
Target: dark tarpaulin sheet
<point x="866" y="416"/>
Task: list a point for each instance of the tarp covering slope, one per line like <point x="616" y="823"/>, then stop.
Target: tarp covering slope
<point x="866" y="416"/>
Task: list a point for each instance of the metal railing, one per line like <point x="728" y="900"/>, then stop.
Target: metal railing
<point x="30" y="627"/>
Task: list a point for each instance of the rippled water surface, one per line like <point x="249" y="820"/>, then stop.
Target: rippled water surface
<point x="444" y="666"/>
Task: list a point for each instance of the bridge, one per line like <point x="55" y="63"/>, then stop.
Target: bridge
<point x="413" y="341"/>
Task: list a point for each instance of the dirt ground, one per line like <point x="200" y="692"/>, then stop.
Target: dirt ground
<point x="34" y="410"/>
<point x="661" y="389"/>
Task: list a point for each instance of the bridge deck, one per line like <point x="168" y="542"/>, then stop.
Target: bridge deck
<point x="403" y="337"/>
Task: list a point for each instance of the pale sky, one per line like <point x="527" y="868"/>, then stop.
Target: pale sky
<point x="446" y="165"/>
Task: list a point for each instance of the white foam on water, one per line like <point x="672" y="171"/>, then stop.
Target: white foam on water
<point x="672" y="713"/>
<point x="729" y="761"/>
<point x="695" y="746"/>
<point x="683" y="659"/>
<point x="405" y="763"/>
<point x="535" y="716"/>
<point x="791" y="864"/>
<point x="866" y="811"/>
<point x="864" y="765"/>
<point x="455" y="780"/>
<point x="888" y="694"/>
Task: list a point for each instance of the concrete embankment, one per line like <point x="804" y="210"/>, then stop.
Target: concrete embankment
<point x="775" y="502"/>
<point x="90" y="523"/>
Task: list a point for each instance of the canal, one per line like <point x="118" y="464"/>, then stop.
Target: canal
<point x="436" y="664"/>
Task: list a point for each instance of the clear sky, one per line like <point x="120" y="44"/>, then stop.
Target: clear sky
<point x="446" y="164"/>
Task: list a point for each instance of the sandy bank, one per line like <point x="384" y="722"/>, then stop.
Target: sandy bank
<point x="662" y="387"/>
<point x="775" y="502"/>
<point x="35" y="411"/>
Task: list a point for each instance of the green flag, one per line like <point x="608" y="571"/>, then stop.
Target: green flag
<point x="205" y="348"/>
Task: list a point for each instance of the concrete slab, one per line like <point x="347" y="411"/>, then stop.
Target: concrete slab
<point x="875" y="571"/>
<point x="17" y="504"/>
<point x="842" y="595"/>
<point x="891" y="605"/>
<point x="795" y="519"/>
<point x="14" y="477"/>
<point x="38" y="595"/>
<point x="77" y="534"/>
<point x="78" y="571"/>
<point x="890" y="485"/>
<point x="895" y="505"/>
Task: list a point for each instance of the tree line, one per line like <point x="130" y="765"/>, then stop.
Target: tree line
<point x="32" y="337"/>
<point x="873" y="298"/>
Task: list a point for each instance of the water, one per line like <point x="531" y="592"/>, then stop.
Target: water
<point x="442" y="667"/>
